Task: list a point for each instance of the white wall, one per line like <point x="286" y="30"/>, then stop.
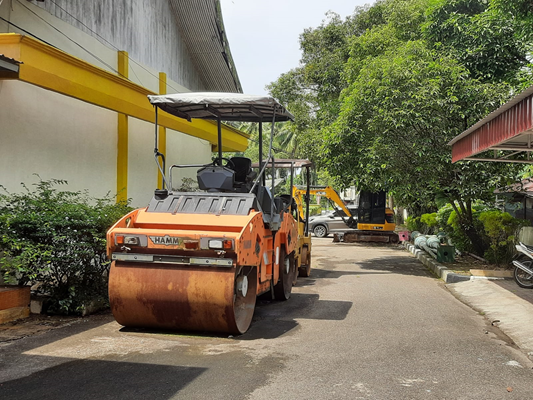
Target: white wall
<point x="57" y="137"/>
<point x="142" y="170"/>
<point x="63" y="138"/>
<point x="179" y="152"/>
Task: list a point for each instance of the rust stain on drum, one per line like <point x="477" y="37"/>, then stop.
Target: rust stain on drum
<point x="173" y="297"/>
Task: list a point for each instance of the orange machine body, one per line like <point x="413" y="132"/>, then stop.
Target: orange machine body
<point x="165" y="274"/>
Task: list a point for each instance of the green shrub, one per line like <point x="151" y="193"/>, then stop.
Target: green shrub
<point x="430" y="223"/>
<point x="452" y="229"/>
<point x="497" y="230"/>
<point x="500" y="229"/>
<point x="188" y="185"/>
<point x="448" y="222"/>
<point x="414" y="224"/>
<point x="57" y="239"/>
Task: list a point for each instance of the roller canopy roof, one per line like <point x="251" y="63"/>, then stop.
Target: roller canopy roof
<point x="227" y="106"/>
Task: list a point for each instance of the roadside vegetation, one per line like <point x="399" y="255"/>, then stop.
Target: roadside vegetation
<point x="54" y="241"/>
<point x="379" y="95"/>
<point x="498" y="230"/>
<point x="377" y="98"/>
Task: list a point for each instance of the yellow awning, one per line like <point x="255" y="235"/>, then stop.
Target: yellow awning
<point x="53" y="69"/>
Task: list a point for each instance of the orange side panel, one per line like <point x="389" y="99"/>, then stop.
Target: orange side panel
<point x="210" y="222"/>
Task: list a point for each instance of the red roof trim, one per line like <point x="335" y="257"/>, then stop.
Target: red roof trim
<point x="507" y="122"/>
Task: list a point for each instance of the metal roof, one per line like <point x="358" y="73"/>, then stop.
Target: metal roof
<point x="201" y="25"/>
<point x="9" y="65"/>
<point x="507" y="130"/>
<point x="227" y="106"/>
<point x="494" y="114"/>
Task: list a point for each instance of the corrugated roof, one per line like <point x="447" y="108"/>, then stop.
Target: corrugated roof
<point x="226" y="106"/>
<point x="515" y="100"/>
<point x="8" y="64"/>
<point x="202" y="28"/>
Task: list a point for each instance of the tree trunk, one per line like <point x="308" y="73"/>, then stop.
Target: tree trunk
<point x="475" y="238"/>
<point x="466" y="223"/>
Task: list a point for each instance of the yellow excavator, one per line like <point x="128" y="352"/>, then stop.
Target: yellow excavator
<point x="372" y="221"/>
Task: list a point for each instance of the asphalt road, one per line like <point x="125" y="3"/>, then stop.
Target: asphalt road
<point x="370" y="323"/>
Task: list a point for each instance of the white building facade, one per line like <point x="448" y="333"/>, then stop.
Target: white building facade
<point x="74" y="76"/>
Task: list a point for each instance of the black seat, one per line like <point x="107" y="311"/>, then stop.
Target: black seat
<point x="242" y="167"/>
<point x="244" y="175"/>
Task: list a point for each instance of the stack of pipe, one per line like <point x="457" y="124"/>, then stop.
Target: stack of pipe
<point x="429" y="244"/>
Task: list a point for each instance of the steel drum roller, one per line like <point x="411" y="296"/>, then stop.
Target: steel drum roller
<point x="188" y="298"/>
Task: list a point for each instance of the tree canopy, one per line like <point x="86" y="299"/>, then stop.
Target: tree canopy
<point x="381" y="94"/>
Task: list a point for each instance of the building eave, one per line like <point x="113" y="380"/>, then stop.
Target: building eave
<point x="202" y="28"/>
<point x="47" y="67"/>
<point x="507" y="131"/>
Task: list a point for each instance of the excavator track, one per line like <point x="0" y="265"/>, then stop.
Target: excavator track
<point x="368" y="236"/>
<point x="182" y="298"/>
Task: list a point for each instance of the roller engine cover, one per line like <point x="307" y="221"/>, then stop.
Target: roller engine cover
<point x="216" y="179"/>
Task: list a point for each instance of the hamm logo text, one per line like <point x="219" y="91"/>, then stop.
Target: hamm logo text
<point x="166" y="240"/>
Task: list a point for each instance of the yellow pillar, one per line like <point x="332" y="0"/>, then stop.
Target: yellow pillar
<point x="162" y="142"/>
<point x="122" y="135"/>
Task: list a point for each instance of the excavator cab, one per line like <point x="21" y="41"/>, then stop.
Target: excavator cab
<point x="372" y="207"/>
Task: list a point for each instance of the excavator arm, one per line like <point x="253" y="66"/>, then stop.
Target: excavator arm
<point x="331" y="194"/>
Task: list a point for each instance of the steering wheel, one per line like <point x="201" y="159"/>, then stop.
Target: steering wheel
<point x="229" y="164"/>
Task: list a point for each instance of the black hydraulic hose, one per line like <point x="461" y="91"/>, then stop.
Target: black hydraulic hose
<point x="219" y="129"/>
<point x="157" y="154"/>
<point x="307" y="201"/>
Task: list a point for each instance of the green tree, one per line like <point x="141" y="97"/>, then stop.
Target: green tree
<point x="488" y="37"/>
<point x="395" y="122"/>
<point x="388" y="88"/>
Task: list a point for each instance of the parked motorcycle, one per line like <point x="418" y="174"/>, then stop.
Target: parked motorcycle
<point x="523" y="271"/>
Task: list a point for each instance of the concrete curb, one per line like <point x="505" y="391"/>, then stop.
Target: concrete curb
<point x="438" y="269"/>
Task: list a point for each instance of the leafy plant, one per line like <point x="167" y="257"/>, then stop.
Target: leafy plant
<point x="414" y="224"/>
<point x="55" y="240"/>
<point x="430" y="222"/>
<point x="501" y="229"/>
<point x="315" y="209"/>
<point x="188" y="185"/>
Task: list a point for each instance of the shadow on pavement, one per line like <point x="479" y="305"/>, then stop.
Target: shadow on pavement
<point x="273" y="318"/>
<point x="100" y="379"/>
<point x="396" y="265"/>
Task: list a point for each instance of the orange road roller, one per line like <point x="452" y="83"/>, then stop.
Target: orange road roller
<point x="196" y="261"/>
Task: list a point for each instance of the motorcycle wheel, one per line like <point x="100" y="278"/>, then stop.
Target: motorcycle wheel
<point x="522" y="278"/>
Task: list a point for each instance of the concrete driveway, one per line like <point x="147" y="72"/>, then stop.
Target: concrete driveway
<point x="370" y="323"/>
